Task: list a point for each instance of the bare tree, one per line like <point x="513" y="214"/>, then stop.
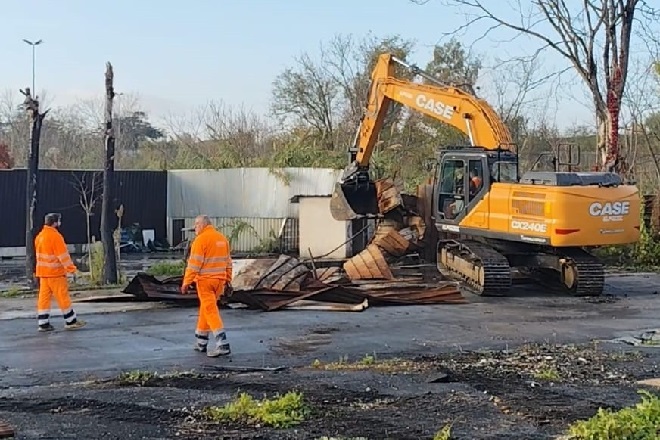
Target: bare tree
<point x="110" y="257"/>
<point x="594" y="38"/>
<point x="329" y="95"/>
<point x="216" y="136"/>
<point x="88" y="188"/>
<point x="14" y="126"/>
<point x="32" y="107"/>
<point x="239" y="135"/>
<point x="309" y="94"/>
<point x="639" y="106"/>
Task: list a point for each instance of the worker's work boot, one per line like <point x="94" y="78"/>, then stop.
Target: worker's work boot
<point x="75" y="325"/>
<point x="202" y="340"/>
<point x="46" y="327"/>
<point x="221" y="347"/>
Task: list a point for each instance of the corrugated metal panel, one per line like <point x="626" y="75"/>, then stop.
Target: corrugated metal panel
<point x="245" y="192"/>
<point x="143" y="194"/>
<point x="248" y="234"/>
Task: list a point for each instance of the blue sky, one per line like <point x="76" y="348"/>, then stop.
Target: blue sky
<point x="179" y="54"/>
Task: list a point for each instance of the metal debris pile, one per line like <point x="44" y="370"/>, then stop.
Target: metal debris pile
<point x="6" y="431"/>
<point x="271" y="284"/>
<point x="367" y="279"/>
<point x="401" y="231"/>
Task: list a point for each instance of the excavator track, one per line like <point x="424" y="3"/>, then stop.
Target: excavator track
<point x="484" y="270"/>
<point x="584" y="274"/>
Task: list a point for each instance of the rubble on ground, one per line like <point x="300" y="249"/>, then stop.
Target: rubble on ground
<point x="6" y="431"/>
<point x="368" y="278"/>
<point x="648" y="338"/>
<point x="271" y="284"/>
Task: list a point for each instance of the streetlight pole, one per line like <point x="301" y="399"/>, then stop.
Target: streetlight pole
<point x="34" y="45"/>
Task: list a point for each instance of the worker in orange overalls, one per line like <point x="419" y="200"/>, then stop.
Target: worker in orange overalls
<point x="53" y="265"/>
<point x="210" y="268"/>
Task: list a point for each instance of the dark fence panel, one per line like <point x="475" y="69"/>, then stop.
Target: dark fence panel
<point x="142" y="193"/>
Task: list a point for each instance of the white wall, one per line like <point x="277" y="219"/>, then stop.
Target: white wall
<point x="319" y="231"/>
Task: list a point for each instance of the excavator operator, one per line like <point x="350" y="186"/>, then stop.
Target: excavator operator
<point x="475" y="182"/>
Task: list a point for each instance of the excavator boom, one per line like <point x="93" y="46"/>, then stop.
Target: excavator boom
<point x="355" y="195"/>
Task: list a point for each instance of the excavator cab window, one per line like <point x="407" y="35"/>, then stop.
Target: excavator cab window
<point x="504" y="171"/>
<point x="451" y="197"/>
<point x="476" y="178"/>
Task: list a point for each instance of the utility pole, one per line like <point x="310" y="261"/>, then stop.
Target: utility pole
<point x="34" y="58"/>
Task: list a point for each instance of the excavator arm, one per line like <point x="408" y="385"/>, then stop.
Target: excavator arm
<point x="355" y="194"/>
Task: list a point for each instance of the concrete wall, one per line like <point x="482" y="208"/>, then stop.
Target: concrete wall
<point x="320" y="232"/>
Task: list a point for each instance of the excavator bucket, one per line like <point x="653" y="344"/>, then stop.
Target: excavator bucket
<point x="353" y="200"/>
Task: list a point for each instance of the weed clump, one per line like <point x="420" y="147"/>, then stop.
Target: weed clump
<point x="280" y="412"/>
<point x="167" y="268"/>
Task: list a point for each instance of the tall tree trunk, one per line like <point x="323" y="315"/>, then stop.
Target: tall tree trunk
<point x="32" y="106"/>
<point x="107" y="211"/>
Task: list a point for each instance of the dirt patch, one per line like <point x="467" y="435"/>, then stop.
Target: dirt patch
<point x="481" y="394"/>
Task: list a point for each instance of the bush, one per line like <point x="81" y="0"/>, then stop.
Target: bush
<point x="641" y="422"/>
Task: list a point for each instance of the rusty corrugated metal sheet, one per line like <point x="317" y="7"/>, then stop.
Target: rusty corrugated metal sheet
<point x="392" y="242"/>
<point x="6" y="431"/>
<point x="283" y="274"/>
<point x="389" y="196"/>
<point x="370" y="264"/>
<point x="273" y="284"/>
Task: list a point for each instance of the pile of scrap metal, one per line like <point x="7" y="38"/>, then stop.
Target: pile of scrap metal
<point x="6" y="431"/>
<point x="270" y="284"/>
<point x="400" y="232"/>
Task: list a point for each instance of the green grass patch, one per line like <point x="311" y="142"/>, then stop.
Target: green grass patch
<point x="443" y="434"/>
<point x="369" y="362"/>
<point x="549" y="374"/>
<point x="640" y="422"/>
<point x="280" y="412"/>
<point x="136" y="377"/>
<point x="13" y="292"/>
<point x="167" y="268"/>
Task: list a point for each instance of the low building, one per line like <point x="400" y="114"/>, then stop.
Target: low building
<point x="250" y="205"/>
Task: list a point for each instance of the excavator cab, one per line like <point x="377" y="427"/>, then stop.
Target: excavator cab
<point x="463" y="177"/>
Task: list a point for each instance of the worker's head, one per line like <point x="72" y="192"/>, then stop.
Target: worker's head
<point x="53" y="219"/>
<point x="201" y="221"/>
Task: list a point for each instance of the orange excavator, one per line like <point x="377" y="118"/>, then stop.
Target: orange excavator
<point x="489" y="218"/>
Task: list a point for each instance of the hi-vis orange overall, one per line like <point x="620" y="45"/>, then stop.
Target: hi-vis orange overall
<point x="210" y="267"/>
<point x="53" y="264"/>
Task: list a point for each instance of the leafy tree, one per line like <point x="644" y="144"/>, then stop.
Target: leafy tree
<point x="134" y="129"/>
